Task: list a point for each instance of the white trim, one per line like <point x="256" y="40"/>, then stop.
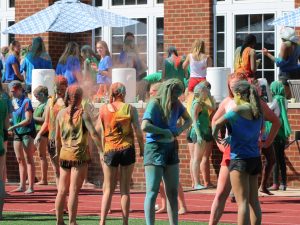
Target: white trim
<point x="6" y="14"/>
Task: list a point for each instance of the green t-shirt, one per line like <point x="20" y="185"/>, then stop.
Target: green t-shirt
<point x="172" y="72"/>
<point x="153" y="78"/>
<point x="92" y="64"/>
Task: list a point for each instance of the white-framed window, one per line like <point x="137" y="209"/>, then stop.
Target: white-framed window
<point x="140" y="33"/>
<point x="242" y="17"/>
<point x="128" y="2"/>
<point x="220" y="41"/>
<point x="159" y="43"/>
<point x="148" y="34"/>
<point x="11" y="37"/>
<point x="11" y="3"/>
<point x="98" y="3"/>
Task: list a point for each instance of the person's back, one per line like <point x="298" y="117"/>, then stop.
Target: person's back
<point x="173" y="68"/>
<point x="292" y="58"/>
<point x="198" y="66"/>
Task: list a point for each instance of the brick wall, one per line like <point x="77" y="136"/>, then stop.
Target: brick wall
<point x="187" y="20"/>
<point x="95" y="174"/>
<point x="54" y="42"/>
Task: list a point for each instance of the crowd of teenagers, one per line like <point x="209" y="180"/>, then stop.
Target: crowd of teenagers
<point x="179" y="101"/>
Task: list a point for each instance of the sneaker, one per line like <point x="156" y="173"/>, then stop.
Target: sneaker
<point x="282" y="187"/>
<point x="274" y="187"/>
<point x="199" y="187"/>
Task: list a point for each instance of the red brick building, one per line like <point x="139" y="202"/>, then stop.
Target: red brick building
<point x="222" y="24"/>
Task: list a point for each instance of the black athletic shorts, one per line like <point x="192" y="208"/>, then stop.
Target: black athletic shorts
<point x="124" y="157"/>
<point x="251" y="166"/>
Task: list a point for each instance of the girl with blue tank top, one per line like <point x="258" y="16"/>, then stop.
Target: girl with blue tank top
<point x="245" y="162"/>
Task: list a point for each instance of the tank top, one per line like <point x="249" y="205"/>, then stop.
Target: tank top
<point x="53" y="111"/>
<point x="74" y="138"/>
<point x="38" y="112"/>
<point x="244" y="64"/>
<point x="197" y="68"/>
<point x="118" y="132"/>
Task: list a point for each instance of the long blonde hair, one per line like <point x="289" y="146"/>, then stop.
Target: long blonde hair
<point x="104" y="44"/>
<point x="198" y="49"/>
<point x="13" y="44"/>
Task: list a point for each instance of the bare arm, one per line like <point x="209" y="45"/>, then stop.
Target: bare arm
<point x="137" y="129"/>
<point x="187" y="123"/>
<point x="269" y="115"/>
<point x="148" y="127"/>
<point x="253" y="61"/>
<point x="186" y="62"/>
<point x="46" y="122"/>
<point x="268" y="54"/>
<point x="23" y="123"/>
<point x="209" y="62"/>
<point x="57" y="135"/>
<point x="195" y="112"/>
<point x="17" y="71"/>
<point x="39" y="119"/>
<point x="94" y="134"/>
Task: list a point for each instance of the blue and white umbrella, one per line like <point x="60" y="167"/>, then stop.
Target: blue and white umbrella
<point x="68" y="16"/>
<point x="292" y="19"/>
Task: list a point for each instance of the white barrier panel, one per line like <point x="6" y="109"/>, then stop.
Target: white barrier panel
<point x="44" y="77"/>
<point x="126" y="76"/>
<point x="217" y="77"/>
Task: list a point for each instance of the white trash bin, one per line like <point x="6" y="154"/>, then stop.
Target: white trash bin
<point x="217" y="77"/>
<point x="126" y="76"/>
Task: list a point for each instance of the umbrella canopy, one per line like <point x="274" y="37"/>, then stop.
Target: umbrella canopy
<point x="68" y="16"/>
<point x="292" y="19"/>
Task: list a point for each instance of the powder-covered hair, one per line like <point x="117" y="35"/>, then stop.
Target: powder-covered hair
<point x="198" y="90"/>
<point x="60" y="80"/>
<point x="164" y="95"/>
<point x="117" y="90"/>
<point x="198" y="47"/>
<point x="71" y="49"/>
<point x="249" y="94"/>
<point x="73" y="98"/>
<point x="41" y="89"/>
<point x="233" y="76"/>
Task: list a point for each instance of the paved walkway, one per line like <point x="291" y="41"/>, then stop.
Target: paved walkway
<point x="283" y="208"/>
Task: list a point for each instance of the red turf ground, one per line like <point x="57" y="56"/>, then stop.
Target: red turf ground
<point x="276" y="210"/>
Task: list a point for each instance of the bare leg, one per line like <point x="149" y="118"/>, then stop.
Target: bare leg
<point x="77" y="177"/>
<point x="163" y="197"/>
<point x="198" y="154"/>
<point x="205" y="165"/>
<point x="267" y="169"/>
<point x="42" y="149"/>
<point x="125" y="178"/>
<point x="255" y="210"/>
<point x="55" y="166"/>
<point x="29" y="149"/>
<point x="18" y="147"/>
<point x="63" y="188"/>
<point x="222" y="193"/>
<point x="191" y="150"/>
<point x="181" y="201"/>
<point x="110" y="180"/>
<point x="240" y="186"/>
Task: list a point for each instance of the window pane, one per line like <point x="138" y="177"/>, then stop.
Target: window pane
<point x="98" y="32"/>
<point x="241" y="23"/>
<point x="220" y="23"/>
<point x="117" y="2"/>
<point x="117" y="44"/>
<point x="142" y="26"/>
<point x="98" y="2"/>
<point x="117" y="31"/>
<point x="139" y="2"/>
<point x="220" y="59"/>
<point x="130" y="29"/>
<point x="239" y="39"/>
<point x="159" y="43"/>
<point x="269" y="41"/>
<point x="220" y="45"/>
<point x="269" y="75"/>
<point x="256" y="22"/>
<point x="268" y="63"/>
<point x="11" y="3"/>
<point x="267" y="19"/>
<point x="258" y="41"/>
<point x="142" y="43"/>
<point x="11" y="37"/>
<point x="129" y="2"/>
<point x="160" y="1"/>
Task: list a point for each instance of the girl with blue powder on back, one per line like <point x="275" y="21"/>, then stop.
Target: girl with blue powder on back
<point x="36" y="58"/>
<point x="245" y="163"/>
<point x="161" y="149"/>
